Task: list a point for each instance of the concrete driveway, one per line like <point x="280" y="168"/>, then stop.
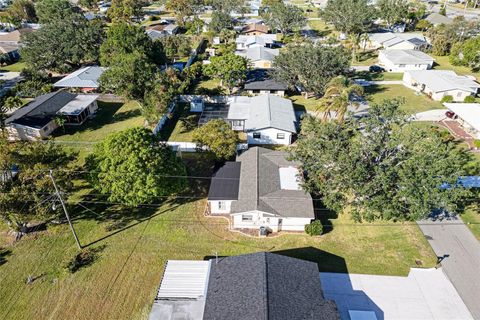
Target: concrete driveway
<point x="453" y="240"/>
<point x="431" y="115"/>
<point x="424" y="294"/>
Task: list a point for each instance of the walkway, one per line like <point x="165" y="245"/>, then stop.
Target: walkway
<point x="458" y="132"/>
<point x="453" y="240"/>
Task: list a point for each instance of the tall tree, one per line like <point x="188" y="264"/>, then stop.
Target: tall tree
<point x="310" y="67"/>
<point x="21" y="11"/>
<point x="284" y="17"/>
<point x="337" y="98"/>
<point x="49" y="10"/>
<point x="226" y="6"/>
<point x="349" y="16"/>
<point x="218" y="137"/>
<point x="467" y="54"/>
<point x="124" y="10"/>
<point x="221" y="21"/>
<point x="393" y="11"/>
<point x="184" y="9"/>
<point x="133" y="168"/>
<point x="380" y="167"/>
<point x="229" y="68"/>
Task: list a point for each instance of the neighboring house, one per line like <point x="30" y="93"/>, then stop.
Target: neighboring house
<point x="255" y="29"/>
<point x="405" y="60"/>
<point x="440" y="83"/>
<point x="10" y="43"/>
<point x="265" y="40"/>
<point x="160" y="30"/>
<point x="257" y="286"/>
<point x="11" y="51"/>
<point x="37" y="120"/>
<point x="468" y="115"/>
<point x="261" y="190"/>
<point x="392" y="41"/>
<point x="266" y="119"/>
<point x="259" y="82"/>
<point x="259" y="57"/>
<point x="85" y="79"/>
<point x="438" y="19"/>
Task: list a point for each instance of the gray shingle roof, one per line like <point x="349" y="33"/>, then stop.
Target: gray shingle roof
<point x="263" y="111"/>
<point x="259" y="54"/>
<point x="83" y="78"/>
<point x="224" y="183"/>
<point x="266" y="286"/>
<point x="260" y="189"/>
<point x="259" y="79"/>
<point x="437" y="18"/>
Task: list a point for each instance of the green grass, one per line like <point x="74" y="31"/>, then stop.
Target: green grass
<point x="14" y="67"/>
<point x="110" y="117"/>
<point x="381" y="76"/>
<point x="366" y="58"/>
<point x="471" y="217"/>
<point x="322" y="28"/>
<point x="414" y="102"/>
<point x="443" y="63"/>
<point x="134" y="245"/>
<point x="300" y="103"/>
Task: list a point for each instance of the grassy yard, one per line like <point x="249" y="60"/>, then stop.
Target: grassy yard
<point x="414" y="102"/>
<point x="300" y="103"/>
<point x="14" y="67"/>
<point x="472" y="218"/>
<point x="371" y="76"/>
<point x="133" y="245"/>
<point x="174" y="129"/>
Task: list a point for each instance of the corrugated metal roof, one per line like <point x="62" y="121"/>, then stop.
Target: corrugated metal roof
<point x="184" y="279"/>
<point x="78" y="104"/>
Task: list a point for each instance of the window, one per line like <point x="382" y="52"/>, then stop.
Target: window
<point x="237" y="123"/>
<point x="222" y="205"/>
<point x="280" y="135"/>
<point x="256" y="91"/>
<point x="256" y="135"/>
<point x="459" y="94"/>
<point x="273" y="91"/>
<point x="247" y="217"/>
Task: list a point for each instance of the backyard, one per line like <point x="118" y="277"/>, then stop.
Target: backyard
<point x="133" y="244"/>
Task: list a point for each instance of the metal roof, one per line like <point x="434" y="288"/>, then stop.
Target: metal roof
<point x="78" y="104"/>
<point x="444" y="80"/>
<point x="407" y="56"/>
<point x="87" y="77"/>
<point x="184" y="279"/>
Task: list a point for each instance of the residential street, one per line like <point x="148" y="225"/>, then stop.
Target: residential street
<point x="454" y="241"/>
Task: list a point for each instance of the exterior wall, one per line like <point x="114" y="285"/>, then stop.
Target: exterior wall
<point x="402" y="45"/>
<point x="264" y="219"/>
<point x="294" y="224"/>
<point x="262" y="64"/>
<point x="269" y="136"/>
<point x="280" y="93"/>
<point x="214" y="206"/>
<point x="18" y="132"/>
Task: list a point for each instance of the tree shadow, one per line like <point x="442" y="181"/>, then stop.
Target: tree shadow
<point x="325" y="215"/>
<point x="371" y="90"/>
<point x="181" y="110"/>
<point x="326" y="261"/>
<point x="84" y="259"/>
<point x="4" y="253"/>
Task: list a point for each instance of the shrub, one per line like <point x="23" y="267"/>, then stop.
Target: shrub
<point x="83" y="259"/>
<point x="476" y="143"/>
<point x="315" y="228"/>
<point x="469" y="99"/>
<point x="447" y="99"/>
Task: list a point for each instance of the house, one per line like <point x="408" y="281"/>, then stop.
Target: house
<point x="10" y="51"/>
<point x="266" y="119"/>
<point x="392" y="41"/>
<point x="440" y="83"/>
<point x="403" y="60"/>
<point x="438" y="19"/>
<point x="257" y="286"/>
<point x="468" y="114"/>
<point x="160" y="30"/>
<point x="265" y="40"/>
<point x="259" y="57"/>
<point x="10" y="43"/>
<point x="37" y="120"/>
<point x="259" y="82"/>
<point x="86" y="79"/>
<point x="255" y="29"/>
<point x="261" y="190"/>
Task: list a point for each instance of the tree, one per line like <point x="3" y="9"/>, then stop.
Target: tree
<point x="65" y="41"/>
<point x="444" y="37"/>
<point x="337" y="98"/>
<point x="13" y="102"/>
<point x="467" y="53"/>
<point x="349" y="16"/>
<point x="176" y="46"/>
<point x="128" y="75"/>
<point x="380" y="167"/>
<point x="226" y="6"/>
<point x="220" y="21"/>
<point x="123" y="38"/>
<point x="28" y="196"/>
<point x="393" y="11"/>
<point x="21" y="11"/>
<point x="229" y="68"/>
<point x="133" y="168"/>
<point x="310" y="67"/>
<point x="124" y="10"/>
<point x="184" y="9"/>
<point x="34" y="83"/>
<point x="218" y="137"/>
<point x="423" y="25"/>
<point x="285" y="18"/>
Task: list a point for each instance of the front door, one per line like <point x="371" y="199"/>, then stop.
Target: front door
<point x="280" y="221"/>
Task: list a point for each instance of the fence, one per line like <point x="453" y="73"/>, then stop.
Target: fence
<point x="164" y="118"/>
<point x="208" y="99"/>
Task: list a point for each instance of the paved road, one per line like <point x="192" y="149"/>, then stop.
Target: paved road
<point x="462" y="266"/>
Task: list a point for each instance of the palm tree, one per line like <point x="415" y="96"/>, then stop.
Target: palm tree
<point x="354" y="41"/>
<point x="337" y="98"/>
<point x="364" y="39"/>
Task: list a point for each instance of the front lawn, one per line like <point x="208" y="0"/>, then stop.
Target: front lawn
<point x="471" y="217"/>
<point x="14" y="67"/>
<point x="300" y="103"/>
<point x="380" y="76"/>
<point x="414" y="102"/>
<point x="133" y="245"/>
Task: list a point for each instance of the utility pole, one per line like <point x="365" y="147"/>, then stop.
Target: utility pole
<point x="65" y="210"/>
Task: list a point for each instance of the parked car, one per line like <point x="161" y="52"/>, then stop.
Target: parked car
<point x="376" y="69"/>
<point x="451" y="115"/>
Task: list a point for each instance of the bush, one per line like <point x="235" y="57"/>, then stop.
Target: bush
<point x="476" y="143"/>
<point x="315" y="228"/>
<point x="469" y="99"/>
<point x="83" y="259"/>
<point x="447" y="99"/>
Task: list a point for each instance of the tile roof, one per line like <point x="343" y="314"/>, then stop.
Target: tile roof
<point x="266" y="286"/>
<point x="255" y="27"/>
<point x="260" y="188"/>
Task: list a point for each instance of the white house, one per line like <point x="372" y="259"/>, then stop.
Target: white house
<point x="259" y="57"/>
<point x="468" y="115"/>
<point x="86" y="79"/>
<point x="261" y="189"/>
<point x="440" y="83"/>
<point x="392" y="41"/>
<point x="266" y="119"/>
<point x="403" y="60"/>
<point x="264" y="40"/>
<point x="38" y="119"/>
